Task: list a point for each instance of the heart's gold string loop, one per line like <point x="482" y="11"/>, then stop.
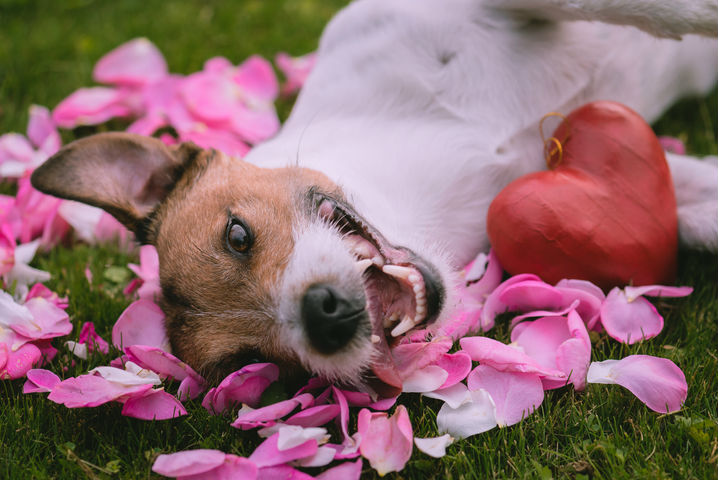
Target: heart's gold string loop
<point x="549" y="153"/>
<point x="552" y="145"/>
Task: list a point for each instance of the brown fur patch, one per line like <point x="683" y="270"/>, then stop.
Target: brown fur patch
<point x="220" y="306"/>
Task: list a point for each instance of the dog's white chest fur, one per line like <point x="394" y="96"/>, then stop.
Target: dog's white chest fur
<point x="424" y="110"/>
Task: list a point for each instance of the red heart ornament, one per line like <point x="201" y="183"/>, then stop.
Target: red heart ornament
<point x="606" y="213"/>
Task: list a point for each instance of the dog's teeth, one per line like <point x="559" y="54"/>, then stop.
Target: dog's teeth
<point x="418" y="289"/>
<point x="378" y="261"/>
<point x="389" y="321"/>
<point x="420" y="295"/>
<point x="362" y="265"/>
<point x="420" y="310"/>
<point x="397" y="271"/>
<point x="414" y="278"/>
<point x="404" y="326"/>
<point x="375" y="339"/>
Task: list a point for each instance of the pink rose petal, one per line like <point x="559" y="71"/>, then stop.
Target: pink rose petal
<point x="630" y="322"/>
<point x="4" y="353"/>
<point x="218" y="65"/>
<point x="211" y="97"/>
<point x="142" y="323"/>
<point x="348" y="450"/>
<point x="40" y="381"/>
<point x="482" y="276"/>
<point x="148" y="272"/>
<point x="7" y="249"/>
<point x="530" y="295"/>
<point x="134" y="63"/>
<point x="467" y="320"/>
<point x="504" y="357"/>
<point x="324" y="456"/>
<point x="282" y="472"/>
<point x="20" y="361"/>
<point x="255" y="77"/>
<point x="457" y="365"/>
<point x="167" y="365"/>
<point x="49" y="321"/>
<point x="557" y="343"/>
<point x="673" y="145"/>
<point x="246" y="385"/>
<point x="91" y="106"/>
<point x="153" y="405"/>
<point x="583" y="285"/>
<point x="343" y="471"/>
<point x="255" y="125"/>
<point x="148" y="124"/>
<point x="109" y="229"/>
<point x="314" y="416"/>
<point x="290" y="436"/>
<point x="265" y="416"/>
<point x="453" y="396"/>
<point x="14" y="146"/>
<point x="295" y="69"/>
<point x="226" y="142"/>
<point x="475" y="414"/>
<point x="92" y="339"/>
<point x="426" y="379"/>
<point x="410" y="357"/>
<point x="190" y="462"/>
<point x="657" y="382"/>
<point x="91" y="391"/>
<point x="41" y="130"/>
<point x="434" y="447"/>
<point x="589" y="303"/>
<point x="268" y="453"/>
<point x="574" y="355"/>
<point x="493" y="304"/>
<point x="40" y="290"/>
<point x="47" y="351"/>
<point x="632" y="293"/>
<point x="543" y="313"/>
<point x="386" y="442"/>
<point x="191" y="387"/>
<point x="515" y="395"/>
<point x="343" y="415"/>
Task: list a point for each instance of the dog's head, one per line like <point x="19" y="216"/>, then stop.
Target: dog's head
<point x="255" y="263"/>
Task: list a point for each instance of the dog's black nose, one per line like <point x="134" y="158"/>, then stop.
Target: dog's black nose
<point x="330" y="318"/>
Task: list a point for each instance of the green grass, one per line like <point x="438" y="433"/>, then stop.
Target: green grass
<point x="47" y="49"/>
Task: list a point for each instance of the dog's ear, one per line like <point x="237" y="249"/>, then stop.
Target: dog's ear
<point x="125" y="174"/>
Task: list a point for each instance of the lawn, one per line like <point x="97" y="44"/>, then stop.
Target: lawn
<point x="48" y="49"/>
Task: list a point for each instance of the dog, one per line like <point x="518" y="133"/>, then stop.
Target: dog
<point x="346" y="230"/>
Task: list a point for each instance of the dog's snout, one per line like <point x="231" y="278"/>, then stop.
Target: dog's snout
<point x="330" y="318"/>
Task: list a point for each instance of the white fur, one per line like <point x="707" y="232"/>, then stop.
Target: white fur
<point x="422" y="147"/>
<point x="320" y="256"/>
<point x="423" y="110"/>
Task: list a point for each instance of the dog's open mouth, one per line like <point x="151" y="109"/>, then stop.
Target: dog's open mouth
<point x="402" y="290"/>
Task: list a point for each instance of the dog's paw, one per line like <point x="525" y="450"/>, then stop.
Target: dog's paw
<point x="696" y="185"/>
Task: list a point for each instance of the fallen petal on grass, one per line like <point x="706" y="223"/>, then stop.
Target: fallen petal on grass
<point x="630" y="321"/>
<point x="385" y="441"/>
<point x="656" y="381"/>
<point x="434" y="447"/>
<point x="153" y="405"/>
<point x="476" y="414"/>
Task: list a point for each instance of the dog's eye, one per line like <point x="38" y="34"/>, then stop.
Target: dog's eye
<point x="239" y="238"/>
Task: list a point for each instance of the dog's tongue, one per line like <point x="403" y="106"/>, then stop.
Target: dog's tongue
<point x="388" y="383"/>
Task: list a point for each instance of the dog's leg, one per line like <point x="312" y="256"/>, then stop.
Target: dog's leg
<point x="662" y="18"/>
<point x="696" y="184"/>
